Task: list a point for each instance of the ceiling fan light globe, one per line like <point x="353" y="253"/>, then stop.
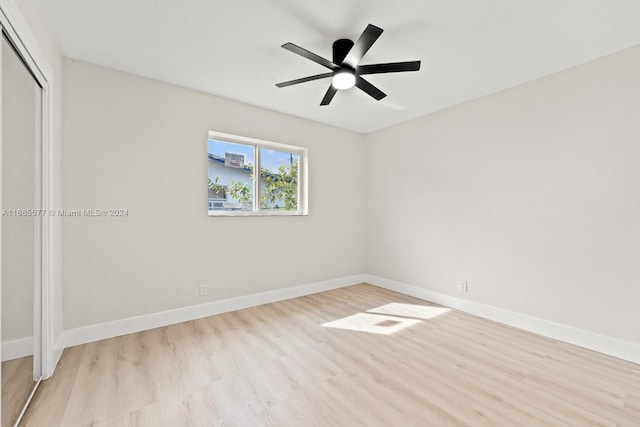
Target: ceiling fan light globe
<point x="343" y="80"/>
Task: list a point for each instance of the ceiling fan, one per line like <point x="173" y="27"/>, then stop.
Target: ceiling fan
<point x="345" y="69"/>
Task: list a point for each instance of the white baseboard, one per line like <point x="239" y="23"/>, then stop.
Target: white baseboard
<point x="86" y="334"/>
<point x="612" y="346"/>
<point x="601" y="343"/>
<point x="16" y="349"/>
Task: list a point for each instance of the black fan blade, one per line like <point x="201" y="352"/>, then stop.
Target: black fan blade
<point x="331" y="92"/>
<point x="369" y="88"/>
<point x="368" y="38"/>
<point x="391" y="67"/>
<point x="310" y="55"/>
<point x="304" y="79"/>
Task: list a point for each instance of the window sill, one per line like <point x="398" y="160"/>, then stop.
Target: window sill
<point x="259" y="213"/>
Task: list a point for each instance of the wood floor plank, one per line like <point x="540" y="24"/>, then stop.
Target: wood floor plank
<point x="17" y="385"/>
<point x="359" y="355"/>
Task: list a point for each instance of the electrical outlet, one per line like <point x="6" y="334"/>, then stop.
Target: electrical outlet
<point x="464" y="286"/>
<point x="203" y="290"/>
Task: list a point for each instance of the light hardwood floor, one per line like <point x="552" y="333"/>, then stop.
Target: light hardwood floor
<point x="410" y="363"/>
<point x="17" y="384"/>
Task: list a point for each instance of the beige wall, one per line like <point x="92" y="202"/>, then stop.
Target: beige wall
<point x="139" y="144"/>
<point x="531" y="194"/>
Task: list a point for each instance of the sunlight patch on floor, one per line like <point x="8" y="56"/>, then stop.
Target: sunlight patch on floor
<point x="388" y="319"/>
<point x="372" y="323"/>
<point x="410" y="310"/>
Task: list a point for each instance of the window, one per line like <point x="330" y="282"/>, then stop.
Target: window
<point x="217" y="191"/>
<point x="234" y="189"/>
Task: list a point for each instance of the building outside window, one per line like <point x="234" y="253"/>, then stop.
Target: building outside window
<point x="281" y="182"/>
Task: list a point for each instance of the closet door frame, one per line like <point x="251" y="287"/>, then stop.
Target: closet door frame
<point x="19" y="35"/>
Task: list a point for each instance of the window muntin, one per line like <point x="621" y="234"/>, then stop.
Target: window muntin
<point x="281" y="182"/>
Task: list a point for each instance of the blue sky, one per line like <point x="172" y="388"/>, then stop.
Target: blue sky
<point x="271" y="159"/>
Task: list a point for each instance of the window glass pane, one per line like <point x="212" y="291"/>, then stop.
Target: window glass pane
<point x="230" y="180"/>
<point x="278" y="180"/>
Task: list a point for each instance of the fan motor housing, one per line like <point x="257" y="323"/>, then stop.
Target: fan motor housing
<point x="341" y="48"/>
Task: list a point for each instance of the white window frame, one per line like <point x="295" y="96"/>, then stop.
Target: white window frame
<point x="269" y="145"/>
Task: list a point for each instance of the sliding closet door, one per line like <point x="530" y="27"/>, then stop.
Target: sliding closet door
<point x="20" y="136"/>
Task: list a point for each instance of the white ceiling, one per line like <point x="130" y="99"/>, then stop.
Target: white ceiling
<point x="231" y="48"/>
